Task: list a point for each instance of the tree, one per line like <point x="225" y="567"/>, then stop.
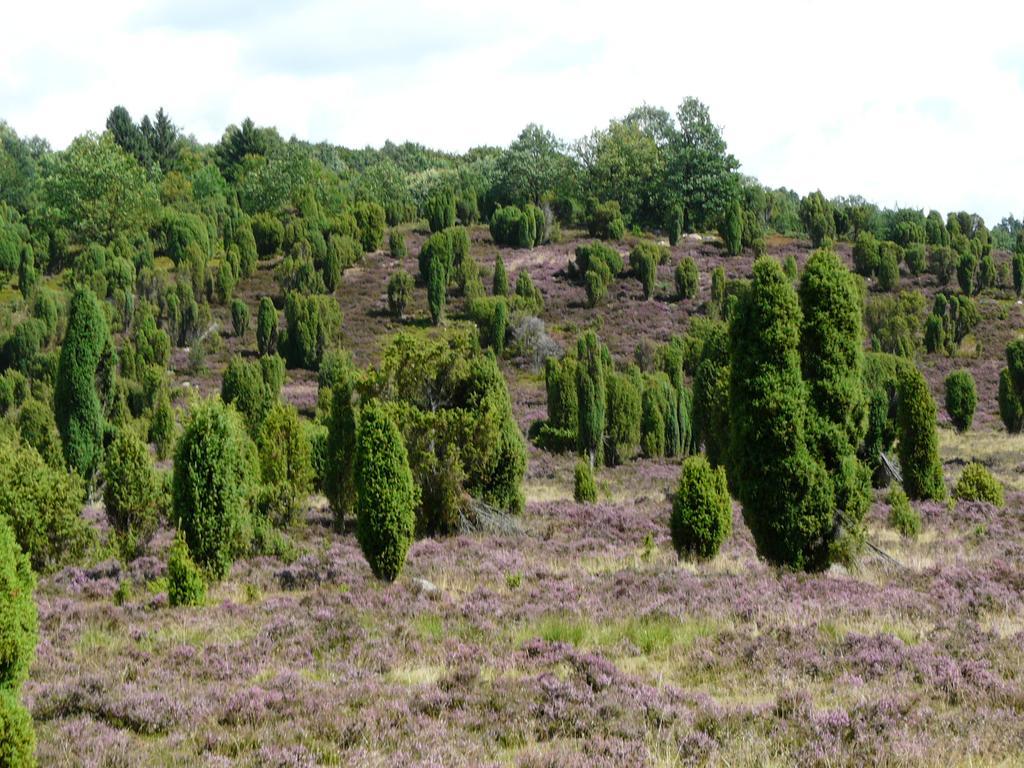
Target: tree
<point x="239" y="317"/>
<point x="386" y="495"/>
<point x="701" y="510"/>
<point x="500" y="285"/>
<point x="437" y="283"/>
<point x="816" y="216"/>
<point x="312" y="325"/>
<point x="77" y="407"/>
<point x="732" y="229"/>
<point x="266" y="326"/>
<point x="865" y="254"/>
<point x="643" y="259"/>
<point x="440" y="209"/>
<point x="342" y="428"/>
<point x="918" y="446"/>
<point x="399" y="291"/>
<point x="130" y="492"/>
<point x="686" y="278"/>
<point x="396" y="245"/>
<point x="590" y="395"/>
<point x="371" y="221"/>
<point x="28" y="278"/>
<point x="787" y="496"/>
<point x="623" y="410"/>
<point x="214" y="470"/>
<point x="888" y="269"/>
<point x="711" y="395"/>
<point x="961" y="399"/>
<point x="1011" y="387"/>
<point x="18" y="619"/>
<point x="286" y="463"/>
<point x="700" y="166"/>
<point x="532" y="166"/>
<point x="243" y="387"/>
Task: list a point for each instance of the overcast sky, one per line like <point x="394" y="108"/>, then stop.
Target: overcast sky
<point x="911" y="103"/>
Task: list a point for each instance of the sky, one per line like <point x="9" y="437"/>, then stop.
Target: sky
<point x="906" y="103"/>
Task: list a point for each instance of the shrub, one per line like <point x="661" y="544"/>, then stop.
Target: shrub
<point x="185" y="583"/>
<point x="342" y="427"/>
<point x="865" y="254"/>
<point x="37" y="428"/>
<point x="243" y="386"/>
<point x="606" y="222"/>
<point x="583" y="489"/>
<point x="914" y="256"/>
<point x="399" y="292"/>
<point x="17" y="736"/>
<point x="528" y="292"/>
<point x="976" y="483"/>
<point x="161" y="426"/>
<point x="513" y="227"/>
<point x="437" y="281"/>
<point x="967" y="273"/>
<point x="437" y="248"/>
<point x="643" y="260"/>
<point x="816" y="216"/>
<point x="903" y="517"/>
<point x="77" y="408"/>
<point x="396" y="245"/>
<point x="28" y="278"/>
<point x="590" y="396"/>
<point x="731" y="229"/>
<point x="674" y="224"/>
<point x="789" y="267"/>
<point x="371" y="221"/>
<point x="286" y="461"/>
<point x="623" y="410"/>
<point x="597" y="255"/>
<point x="961" y="399"/>
<point x="386" y="496"/>
<point x="18" y="620"/>
<point x="918" y="443"/>
<point x="1017" y="262"/>
<point x="213" y="474"/>
<point x="888" y="269"/>
<point x="42" y="506"/>
<point x="711" y="395"/>
<point x="686" y="278"/>
<point x="439" y="209"/>
<point x="701" y="509"/>
<point x="313" y="323"/>
<point x="266" y="326"/>
<point x="942" y="263"/>
<point x="131" y="492"/>
<point x="268" y="232"/>
<point x="239" y="317"/>
<point x="499" y="286"/>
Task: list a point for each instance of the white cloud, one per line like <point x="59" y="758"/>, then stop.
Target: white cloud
<point x="903" y="102"/>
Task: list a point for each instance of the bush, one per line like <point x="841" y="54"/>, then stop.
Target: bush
<point x="239" y="317"/>
<point x="342" y="426"/>
<point x="967" y="273"/>
<point x="396" y="245"/>
<point x="711" y="395"/>
<point x="914" y="256"/>
<point x="528" y="292"/>
<point x="42" y="506"/>
<point x="977" y="484"/>
<point x="674" y="224"/>
<point x="266" y="326"/>
<point x="903" y="517"/>
<point x="185" y="583"/>
<point x="371" y="221"/>
<point x="399" y="291"/>
<point x="643" y="260"/>
<point x="77" y="408"/>
<point x="606" y="222"/>
<point x="499" y="286"/>
<point x="596" y="255"/>
<point x="17" y="736"/>
<point x="214" y="469"/>
<point x="131" y="493"/>
<point x="37" y="428"/>
<point x="161" y="426"/>
<point x="513" y="227"/>
<point x="816" y="216"/>
<point x="865" y="254"/>
<point x="18" y="620"/>
<point x="590" y="396"/>
<point x="583" y="489"/>
<point x="701" y="509"/>
<point x="918" y="443"/>
<point x="437" y="282"/>
<point x="386" y="497"/>
<point x="286" y="460"/>
<point x="687" y="279"/>
<point x="439" y="209"/>
<point x="789" y="267"/>
<point x="732" y="229"/>
<point x="888" y="269"/>
<point x="942" y="263"/>
<point x="313" y="324"/>
<point x="961" y="399"/>
<point x="244" y="387"/>
<point x="623" y="410"/>
<point x="268" y="231"/>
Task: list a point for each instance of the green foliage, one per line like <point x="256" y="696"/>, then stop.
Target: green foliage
<point x="918" y="442"/>
<point x="528" y="292"/>
<point x="976" y="483"/>
<point x="313" y="324"/>
<point x="1017" y="260"/>
<point x="584" y="491"/>
<point x="131" y="492"/>
<point x="942" y="262"/>
<point x="212" y="485"/>
<point x="38" y="429"/>
<point x="643" y="260"/>
<point x="437" y="284"/>
<point x="342" y="427"/>
<point x="437" y="248"/>
<point x="42" y="506"/>
<point x="674" y="224"/>
<point x="888" y="268"/>
<point x="386" y="495"/>
<point x="513" y="227"/>
<point x="787" y="496"/>
<point x="77" y="407"/>
<point x="266" y="326"/>
<point x="967" y="273"/>
<point x="243" y="386"/>
<point x="711" y="394"/>
<point x="399" y="292"/>
<point x="239" y="317"/>
<point x="961" y="399"/>
<point x="28" y="278"/>
<point x="17" y="735"/>
<point x="286" y="461"/>
<point x="439" y="209"/>
<point x="1011" y="408"/>
<point x="816" y="216"/>
<point x="590" y="396"/>
<point x="701" y="509"/>
<point x="596" y="256"/>
<point x="914" y="256"/>
<point x="499" y="286"/>
<point x="371" y="221"/>
<point x="731" y="229"/>
<point x="894" y="322"/>
<point x="605" y="221"/>
<point x="186" y="585"/>
<point x="268" y="232"/>
<point x="162" y="426"/>
<point x="18" y="620"/>
<point x="789" y="267"/>
<point x="396" y="245"/>
<point x="905" y="519"/>
<point x="623" y="411"/>
<point x="560" y="387"/>
<point x="686" y="278"/>
<point x="717" y="307"/>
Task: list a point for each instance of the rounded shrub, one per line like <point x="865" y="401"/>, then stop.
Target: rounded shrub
<point x="396" y="245"/>
<point x="17" y="735"/>
<point x="686" y="278"/>
<point x="790" y="268"/>
<point x="399" y="291"/>
<point x="643" y="260"/>
<point x="161" y="426"/>
<point x="243" y="386"/>
<point x="888" y="270"/>
<point x="916" y="259"/>
<point x="584" y="491"/>
<point x="266" y="326"/>
<point x="185" y="582"/>
<point x="605" y="221"/>
<point x="386" y="497"/>
<point x="239" y="317"/>
<point x="312" y="326"/>
<point x="18" y="619"/>
<point x="371" y="221"/>
<point x="674" y="224"/>
<point x="268" y="232"/>
<point x="865" y="254"/>
<point x="439" y="209"/>
<point x="131" y="491"/>
<point x="903" y="517"/>
<point x="961" y="399"/>
<point x="701" y="509"/>
<point x="213" y="475"/>
<point x="976" y="483"/>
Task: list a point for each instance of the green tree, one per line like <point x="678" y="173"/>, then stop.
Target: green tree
<point x="437" y="281"/>
<point x="313" y="324"/>
<point x="214" y="470"/>
<point x="686" y="278"/>
<point x="371" y="221"/>
<point x="399" y="292"/>
<point x="386" y="495"/>
<point x="500" y="285"/>
<point x="918" y="446"/>
<point x="590" y="396"/>
<point x="700" y="166"/>
<point x="732" y="229"/>
<point x="711" y="395"/>
<point x="239" y="317"/>
<point x="266" y="326"/>
<point x="342" y="428"/>
<point x="186" y="585"/>
<point x="286" y="460"/>
<point x="131" y="492"/>
<point x="961" y="399"/>
<point x="77" y="407"/>
<point x="865" y="254"/>
<point x="396" y="245"/>
<point x="28" y="278"/>
<point x="623" y="410"/>
<point x="18" y="619"/>
<point x="440" y="209"/>
<point x="816" y="216"/>
<point x="787" y="496"/>
<point x="701" y="509"/>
